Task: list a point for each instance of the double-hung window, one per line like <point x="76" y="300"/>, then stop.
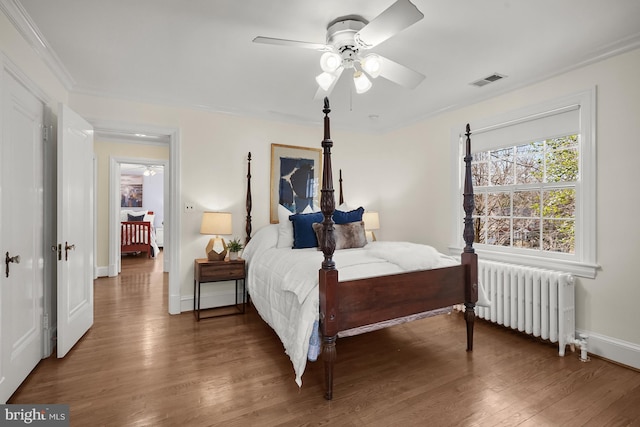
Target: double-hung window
<point x="534" y="184"/>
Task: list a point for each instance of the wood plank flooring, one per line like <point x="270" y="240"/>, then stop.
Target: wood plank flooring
<point x="139" y="366"/>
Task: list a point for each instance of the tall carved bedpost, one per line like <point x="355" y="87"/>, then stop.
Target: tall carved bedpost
<point x="328" y="280"/>
<point x="249" y="203"/>
<point x="469" y="257"/>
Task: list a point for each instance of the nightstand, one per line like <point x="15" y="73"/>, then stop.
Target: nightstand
<point x="205" y="271"/>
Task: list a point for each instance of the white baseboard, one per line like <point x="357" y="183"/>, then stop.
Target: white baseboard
<point x="113" y="270"/>
<point x="102" y="271"/>
<point x="616" y="350"/>
<point x="106" y="271"/>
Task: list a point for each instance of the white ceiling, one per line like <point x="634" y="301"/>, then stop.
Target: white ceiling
<point x="138" y="169"/>
<point x="199" y="53"/>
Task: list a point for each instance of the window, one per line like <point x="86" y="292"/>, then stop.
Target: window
<point x="534" y="185"/>
<point x="525" y="195"/>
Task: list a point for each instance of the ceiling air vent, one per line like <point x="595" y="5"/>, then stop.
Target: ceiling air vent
<point x="489" y="79"/>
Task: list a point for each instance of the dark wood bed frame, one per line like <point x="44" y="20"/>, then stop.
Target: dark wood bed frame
<point x="355" y="303"/>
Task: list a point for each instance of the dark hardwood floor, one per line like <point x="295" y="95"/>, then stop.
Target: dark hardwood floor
<point x="139" y="366"/>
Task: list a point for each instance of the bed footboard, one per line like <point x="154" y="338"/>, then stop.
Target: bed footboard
<point x="135" y="236"/>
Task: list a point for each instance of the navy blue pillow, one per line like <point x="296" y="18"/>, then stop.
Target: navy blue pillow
<point x="135" y="217"/>
<point x="340" y="217"/>
<point x="303" y="234"/>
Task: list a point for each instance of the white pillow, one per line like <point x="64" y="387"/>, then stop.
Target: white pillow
<point x="285" y="228"/>
<point x="308" y="209"/>
<point x="149" y="217"/>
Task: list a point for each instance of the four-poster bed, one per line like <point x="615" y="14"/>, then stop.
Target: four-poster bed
<point x="358" y="302"/>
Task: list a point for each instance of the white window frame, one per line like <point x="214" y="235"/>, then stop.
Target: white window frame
<point x="583" y="261"/>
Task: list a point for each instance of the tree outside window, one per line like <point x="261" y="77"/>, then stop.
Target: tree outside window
<point x="525" y="195"/>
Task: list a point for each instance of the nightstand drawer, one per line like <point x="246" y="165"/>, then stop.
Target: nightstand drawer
<point x="221" y="271"/>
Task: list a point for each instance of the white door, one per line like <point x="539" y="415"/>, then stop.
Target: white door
<point x="21" y="235"/>
<point x="75" y="228"/>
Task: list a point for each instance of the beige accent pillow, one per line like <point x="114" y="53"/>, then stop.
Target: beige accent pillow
<point x="348" y="236"/>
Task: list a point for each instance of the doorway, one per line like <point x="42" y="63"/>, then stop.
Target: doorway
<point x="142" y="191"/>
<point x="137" y="134"/>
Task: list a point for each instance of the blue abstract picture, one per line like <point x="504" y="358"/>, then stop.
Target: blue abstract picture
<point x="296" y="184"/>
<point x="295" y="177"/>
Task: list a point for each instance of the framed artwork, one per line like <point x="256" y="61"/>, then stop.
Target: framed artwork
<point x="131" y="191"/>
<point x="295" y="178"/>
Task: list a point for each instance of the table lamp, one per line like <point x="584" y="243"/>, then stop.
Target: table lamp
<point x="371" y="222"/>
<point x="216" y="223"/>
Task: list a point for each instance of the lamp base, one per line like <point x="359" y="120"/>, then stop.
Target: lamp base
<point x="216" y="252"/>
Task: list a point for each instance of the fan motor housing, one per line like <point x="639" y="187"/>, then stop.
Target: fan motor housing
<point x="341" y="34"/>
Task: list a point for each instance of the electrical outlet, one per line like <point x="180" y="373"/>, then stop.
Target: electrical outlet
<point x="188" y="207"/>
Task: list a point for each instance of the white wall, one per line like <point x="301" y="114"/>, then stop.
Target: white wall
<point x="153" y="196"/>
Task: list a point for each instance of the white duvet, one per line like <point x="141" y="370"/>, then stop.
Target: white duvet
<point x="283" y="282"/>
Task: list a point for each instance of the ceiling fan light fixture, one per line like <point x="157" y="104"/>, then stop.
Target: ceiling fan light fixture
<point x="372" y="64"/>
<point x="330" y="61"/>
<point x="325" y="80"/>
<point x="362" y="83"/>
<point x="348" y="36"/>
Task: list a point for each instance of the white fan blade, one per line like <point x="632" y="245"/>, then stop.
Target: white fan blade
<point x="399" y="74"/>
<point x="396" y="18"/>
<point x="321" y="93"/>
<point x="293" y="43"/>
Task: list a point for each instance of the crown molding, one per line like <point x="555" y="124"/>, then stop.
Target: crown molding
<point x="21" y="20"/>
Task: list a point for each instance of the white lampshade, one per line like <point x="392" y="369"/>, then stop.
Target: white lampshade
<point x="329" y="62"/>
<point x="361" y="81"/>
<point x="215" y="223"/>
<point x="325" y="80"/>
<point x="371" y="220"/>
<point x="372" y="64"/>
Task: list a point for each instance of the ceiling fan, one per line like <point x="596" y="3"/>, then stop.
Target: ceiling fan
<point x="139" y="169"/>
<point x="347" y="40"/>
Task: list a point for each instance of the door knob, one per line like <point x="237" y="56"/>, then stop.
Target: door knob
<point x="8" y="259"/>
<point x="67" y="248"/>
